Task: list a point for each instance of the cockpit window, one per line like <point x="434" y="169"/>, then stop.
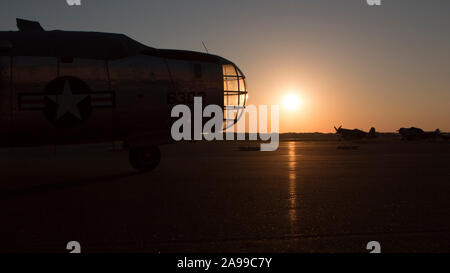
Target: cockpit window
<point x="235" y="94"/>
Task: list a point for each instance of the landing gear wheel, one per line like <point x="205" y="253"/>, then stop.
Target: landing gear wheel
<point x="145" y="159"/>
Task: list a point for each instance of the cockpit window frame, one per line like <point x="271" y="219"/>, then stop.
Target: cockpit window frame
<point x="240" y="92"/>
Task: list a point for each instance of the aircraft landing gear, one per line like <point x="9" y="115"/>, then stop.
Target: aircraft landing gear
<point x="145" y="159"/>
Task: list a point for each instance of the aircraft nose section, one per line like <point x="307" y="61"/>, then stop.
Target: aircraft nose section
<point x="235" y="94"/>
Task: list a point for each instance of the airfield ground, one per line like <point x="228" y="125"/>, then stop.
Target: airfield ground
<point x="211" y="197"/>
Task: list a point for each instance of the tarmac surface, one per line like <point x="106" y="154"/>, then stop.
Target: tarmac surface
<point x="211" y="197"/>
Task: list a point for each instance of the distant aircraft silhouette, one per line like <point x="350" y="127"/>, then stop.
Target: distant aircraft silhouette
<point x="414" y="133"/>
<point x="349" y="134"/>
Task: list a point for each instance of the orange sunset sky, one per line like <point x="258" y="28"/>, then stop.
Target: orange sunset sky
<point x="345" y="62"/>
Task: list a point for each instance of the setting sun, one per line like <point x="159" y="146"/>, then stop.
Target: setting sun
<point x="291" y="101"/>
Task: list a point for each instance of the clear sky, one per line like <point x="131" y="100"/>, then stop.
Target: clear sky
<point x="347" y="62"/>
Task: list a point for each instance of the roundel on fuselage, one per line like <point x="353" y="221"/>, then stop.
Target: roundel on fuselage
<point x="67" y="102"/>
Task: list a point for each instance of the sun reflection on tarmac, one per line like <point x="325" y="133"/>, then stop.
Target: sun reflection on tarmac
<point x="292" y="186"/>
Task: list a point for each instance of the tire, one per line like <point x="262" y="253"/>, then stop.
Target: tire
<point x="145" y="159"/>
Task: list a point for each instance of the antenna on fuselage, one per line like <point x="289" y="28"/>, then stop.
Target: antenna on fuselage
<point x="206" y="49"/>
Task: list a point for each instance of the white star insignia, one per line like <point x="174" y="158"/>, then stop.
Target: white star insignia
<point x="67" y="102"/>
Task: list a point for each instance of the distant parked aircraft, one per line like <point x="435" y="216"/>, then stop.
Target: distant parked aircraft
<point x="414" y="133"/>
<point x="349" y="134"/>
